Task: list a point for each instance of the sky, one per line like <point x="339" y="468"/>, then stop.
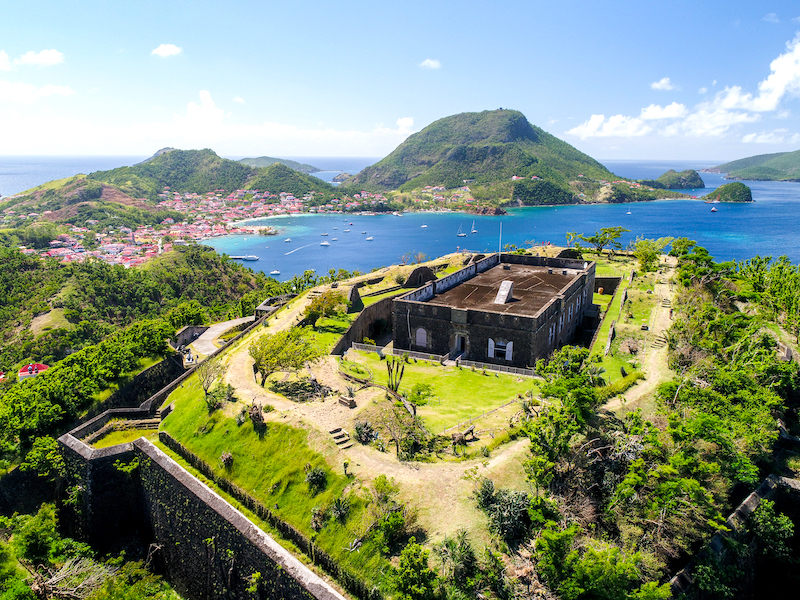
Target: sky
<point x="679" y="80"/>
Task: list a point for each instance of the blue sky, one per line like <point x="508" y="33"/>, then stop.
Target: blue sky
<point x="620" y="80"/>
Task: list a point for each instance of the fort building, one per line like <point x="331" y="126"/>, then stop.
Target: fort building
<point x="504" y="309"/>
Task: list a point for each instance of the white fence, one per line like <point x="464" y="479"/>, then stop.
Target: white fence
<point x="500" y="368"/>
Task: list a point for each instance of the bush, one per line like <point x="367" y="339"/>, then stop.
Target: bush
<point x="605" y="393"/>
<point x="316" y="478"/>
<point x="340" y="509"/>
<point x="364" y="432"/>
<point x="390" y="528"/>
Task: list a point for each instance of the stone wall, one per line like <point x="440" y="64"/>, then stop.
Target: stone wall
<point x="609" y="284"/>
<point x="533" y="336"/>
<point x="203" y="545"/>
<point x="363" y="325"/>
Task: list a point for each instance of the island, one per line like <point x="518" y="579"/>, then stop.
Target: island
<point x="672" y="180"/>
<point x="730" y="192"/>
<point x="780" y="166"/>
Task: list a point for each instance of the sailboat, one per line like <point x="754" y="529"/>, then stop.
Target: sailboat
<point x="423" y="226"/>
<point x="473" y="228"/>
<point x="461" y="233"/>
<point x="275" y="272"/>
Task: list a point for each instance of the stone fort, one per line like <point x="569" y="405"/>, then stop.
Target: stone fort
<point x="505" y="309"/>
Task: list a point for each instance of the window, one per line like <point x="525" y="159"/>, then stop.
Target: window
<point x="500" y="349"/>
<point x="421" y="338"/>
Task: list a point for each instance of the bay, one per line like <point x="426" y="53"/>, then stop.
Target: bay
<point x="768" y="226"/>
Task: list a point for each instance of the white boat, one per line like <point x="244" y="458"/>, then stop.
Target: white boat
<point x="370" y="238"/>
<point x="423" y="226"/>
<point x="714" y="209"/>
<point x="473" y="228"/>
<point x="246" y="257"/>
<point x="334" y="239"/>
<point x="325" y="243"/>
<point x="323" y="234"/>
<point x="629" y="212"/>
<point x="275" y="272"/>
<point x="461" y="233"/>
<point x="346" y="230"/>
<point x="288" y="240"/>
<point x="363" y="232"/>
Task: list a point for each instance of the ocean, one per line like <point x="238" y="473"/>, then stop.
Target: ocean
<point x="768" y="226"/>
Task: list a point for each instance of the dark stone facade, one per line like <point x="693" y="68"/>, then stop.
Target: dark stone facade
<point x="425" y="326"/>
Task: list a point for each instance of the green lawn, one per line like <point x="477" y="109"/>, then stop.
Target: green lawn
<point x="458" y="394"/>
<point x="330" y="329"/>
<point x="271" y="468"/>
<point x="373" y="299"/>
<point x="124" y="436"/>
<point x="125" y="378"/>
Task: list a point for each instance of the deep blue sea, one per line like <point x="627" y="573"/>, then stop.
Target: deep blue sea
<point x="770" y="226"/>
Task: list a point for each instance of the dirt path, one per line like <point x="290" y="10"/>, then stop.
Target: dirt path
<point x="438" y="490"/>
<point x="654" y="363"/>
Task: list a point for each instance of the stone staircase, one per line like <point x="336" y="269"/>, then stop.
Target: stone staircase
<point x="659" y="341"/>
<point x="341" y="438"/>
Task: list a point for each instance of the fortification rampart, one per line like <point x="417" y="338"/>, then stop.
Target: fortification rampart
<point x="205" y="547"/>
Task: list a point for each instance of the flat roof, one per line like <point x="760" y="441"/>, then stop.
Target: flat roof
<point x="534" y="287"/>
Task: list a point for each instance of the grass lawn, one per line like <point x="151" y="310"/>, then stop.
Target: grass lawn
<point x="458" y="394"/>
<point x="373" y="299"/>
<point x="125" y="378"/>
<point x="330" y="329"/>
<point x="272" y="468"/>
<point x="123" y="436"/>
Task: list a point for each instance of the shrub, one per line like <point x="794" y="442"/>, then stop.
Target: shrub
<point x="340" y="509"/>
<point x="484" y="493"/>
<point x="316" y="478"/>
<point x="390" y="528"/>
<point x="364" y="432"/>
<point x="226" y="460"/>
<point x="605" y="393"/>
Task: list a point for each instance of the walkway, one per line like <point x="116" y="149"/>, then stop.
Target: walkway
<point x="204" y="345"/>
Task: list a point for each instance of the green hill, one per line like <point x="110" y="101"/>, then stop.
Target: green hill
<point x="279" y="178"/>
<point x="782" y="166"/>
<point x="731" y="192"/>
<point x="265" y="161"/>
<point x="486" y="147"/>
<point x="672" y="180"/>
<point x="196" y="171"/>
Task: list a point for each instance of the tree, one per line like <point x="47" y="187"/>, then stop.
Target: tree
<point x="413" y="578"/>
<point x="647" y="251"/>
<point x="395" y="368"/>
<point x="208" y="372"/>
<point x="605" y="237"/>
<point x="44" y="458"/>
<point x="284" y="351"/>
<point x="324" y="305"/>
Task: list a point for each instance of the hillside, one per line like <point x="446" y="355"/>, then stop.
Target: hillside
<point x="731" y="192"/>
<point x="503" y="159"/>
<point x="51" y="308"/>
<point x="672" y="180"/>
<point x="781" y="166"/>
<point x="265" y="161"/>
<point x="486" y="147"/>
<point x="279" y="178"/>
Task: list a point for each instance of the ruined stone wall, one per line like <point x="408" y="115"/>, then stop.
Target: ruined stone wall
<point x="363" y="325"/>
<point x="203" y="545"/>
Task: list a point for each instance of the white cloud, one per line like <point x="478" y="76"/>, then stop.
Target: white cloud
<point x="430" y="63"/>
<point x="238" y="100"/>
<point x="771" y="18"/>
<point x="702" y="90"/>
<point x="44" y="58"/>
<point x="796" y="19"/>
<point x="671" y="111"/>
<point x="25" y="93"/>
<point x="5" y="63"/>
<point x="716" y="116"/>
<point x="766" y="137"/>
<point x="663" y="84"/>
<point x="165" y="50"/>
<point x="615" y="126"/>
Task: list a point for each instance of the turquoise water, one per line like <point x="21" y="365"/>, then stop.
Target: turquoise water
<point x="770" y="226"/>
